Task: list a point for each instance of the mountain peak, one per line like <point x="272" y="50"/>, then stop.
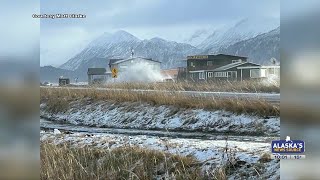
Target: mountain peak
<point x="116" y="37"/>
<point x="277" y="30"/>
<point x="121" y="33"/>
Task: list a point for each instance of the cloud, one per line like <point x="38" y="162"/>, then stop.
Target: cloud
<point x="59" y="45"/>
<point x="168" y="19"/>
<point x="19" y="33"/>
<point x="149" y="13"/>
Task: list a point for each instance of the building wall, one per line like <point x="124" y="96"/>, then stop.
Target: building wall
<point x="123" y="66"/>
<point x="216" y="61"/>
<point x="182" y="74"/>
<point x="232" y="74"/>
<point x="208" y="62"/>
<point x="64" y="81"/>
<point x="138" y="70"/>
<point x="98" y="78"/>
<point x="272" y="71"/>
<point x="245" y="74"/>
<point x="194" y="76"/>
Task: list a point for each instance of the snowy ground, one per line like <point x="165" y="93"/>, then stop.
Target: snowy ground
<point x="74" y="83"/>
<point x="245" y="157"/>
<point x="144" y="116"/>
<point x="103" y="123"/>
<point x="50" y="125"/>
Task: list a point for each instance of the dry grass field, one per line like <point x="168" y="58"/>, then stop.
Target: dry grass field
<point x="59" y="99"/>
<point x="65" y="162"/>
<point x="69" y="162"/>
<point x="222" y="86"/>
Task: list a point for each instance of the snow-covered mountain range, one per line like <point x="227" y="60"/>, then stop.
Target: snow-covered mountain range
<point x="119" y="45"/>
<point x="257" y="39"/>
<point x="242" y="30"/>
<point x="259" y="49"/>
<point x="199" y="36"/>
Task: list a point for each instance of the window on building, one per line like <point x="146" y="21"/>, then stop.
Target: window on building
<point x="201" y="75"/>
<point x="235" y="61"/>
<point x="209" y="63"/>
<point x="277" y="72"/>
<point x="263" y="73"/>
<point x="271" y="71"/>
<point x="221" y="74"/>
<point x="254" y="73"/>
<point x="192" y="64"/>
<point x="210" y="74"/>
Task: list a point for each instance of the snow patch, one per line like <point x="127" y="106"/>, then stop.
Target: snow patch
<point x="145" y="116"/>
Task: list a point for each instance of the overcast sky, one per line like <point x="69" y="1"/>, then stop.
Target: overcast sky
<point x="169" y="19"/>
<point x="19" y="33"/>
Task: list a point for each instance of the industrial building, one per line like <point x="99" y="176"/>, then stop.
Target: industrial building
<point x="97" y="75"/>
<point x="63" y="81"/>
<point x="124" y="64"/>
<point x="136" y="69"/>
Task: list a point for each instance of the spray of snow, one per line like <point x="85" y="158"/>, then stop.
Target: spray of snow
<point x="272" y="80"/>
<point x="140" y="72"/>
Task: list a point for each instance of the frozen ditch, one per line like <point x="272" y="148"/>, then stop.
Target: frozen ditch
<point x="51" y="125"/>
<point x="136" y="115"/>
<point x="186" y="132"/>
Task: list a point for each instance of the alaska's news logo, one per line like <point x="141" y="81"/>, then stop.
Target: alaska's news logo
<point x="287" y="146"/>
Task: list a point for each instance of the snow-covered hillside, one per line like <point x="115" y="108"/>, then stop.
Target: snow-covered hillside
<point x="107" y="45"/>
<point x="199" y="36"/>
<point x="259" y="49"/>
<point x="242" y="30"/>
<point x="169" y="52"/>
